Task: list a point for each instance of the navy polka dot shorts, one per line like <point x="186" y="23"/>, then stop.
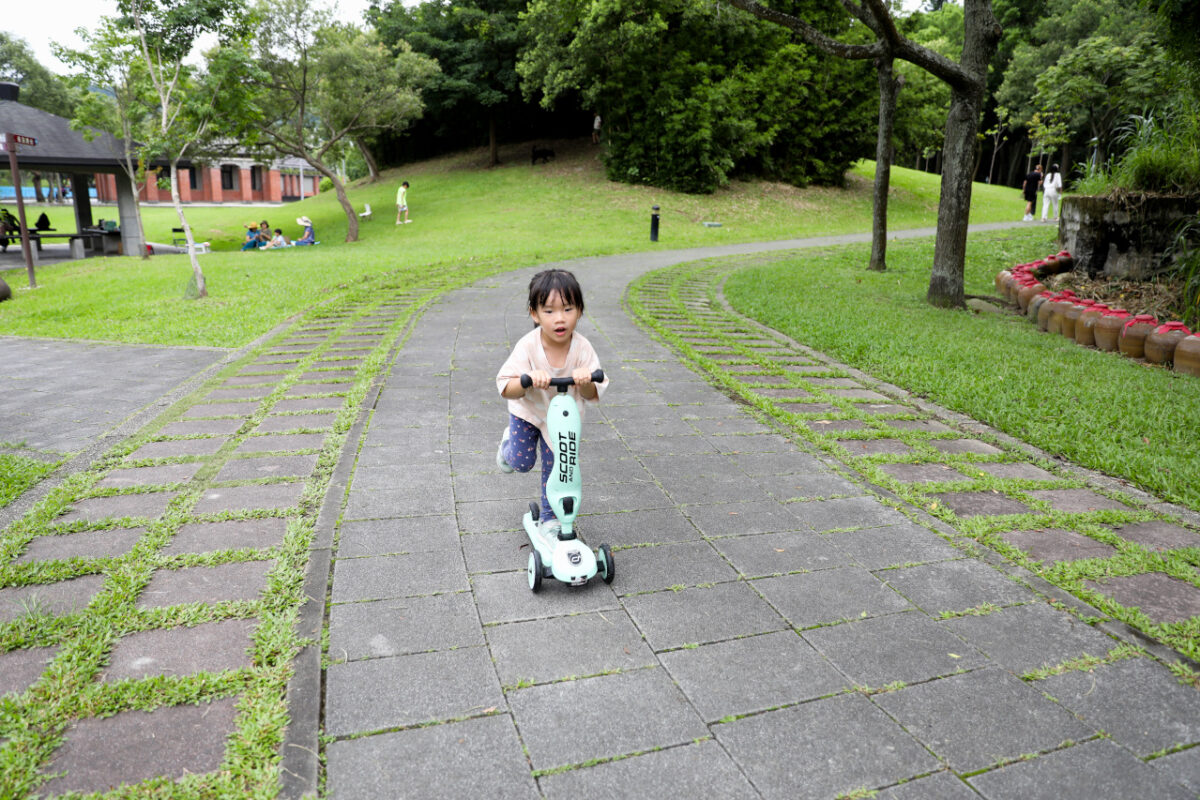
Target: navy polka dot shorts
<point x="521" y="452"/>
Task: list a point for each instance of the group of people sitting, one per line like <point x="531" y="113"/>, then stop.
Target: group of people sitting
<point x="260" y="237"/>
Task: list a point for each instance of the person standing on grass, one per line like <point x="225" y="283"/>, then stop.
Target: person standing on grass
<point x="1052" y="192"/>
<point x="596" y="129"/>
<point x="1033" y="182"/>
<point x="551" y="350"/>
<point x="402" y="203"/>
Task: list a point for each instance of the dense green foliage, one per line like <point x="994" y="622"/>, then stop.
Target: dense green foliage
<point x="39" y="87"/>
<point x="691" y="96"/>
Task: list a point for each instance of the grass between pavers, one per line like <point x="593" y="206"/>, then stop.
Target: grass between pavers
<point x="682" y="306"/>
<point x="463" y="216"/>
<point x="18" y="473"/>
<point x="33" y="723"/>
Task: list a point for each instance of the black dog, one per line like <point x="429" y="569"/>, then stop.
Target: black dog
<point x="544" y="153"/>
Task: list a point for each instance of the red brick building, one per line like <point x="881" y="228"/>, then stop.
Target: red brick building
<point x="232" y="181"/>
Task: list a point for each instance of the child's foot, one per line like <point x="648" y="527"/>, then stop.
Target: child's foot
<point x="500" y="462"/>
<point x="549" y="528"/>
<point x="407" y="221"/>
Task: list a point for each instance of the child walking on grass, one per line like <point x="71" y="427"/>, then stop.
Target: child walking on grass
<point x="551" y="350"/>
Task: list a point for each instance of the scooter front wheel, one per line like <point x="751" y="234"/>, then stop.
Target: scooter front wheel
<point x="535" y="571"/>
<point x="608" y="569"/>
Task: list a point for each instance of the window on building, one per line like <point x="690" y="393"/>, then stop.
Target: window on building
<point x="227" y="176"/>
<point x="256" y="182"/>
<point x="194" y="178"/>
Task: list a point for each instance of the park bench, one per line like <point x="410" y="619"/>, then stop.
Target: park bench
<point x="75" y="240"/>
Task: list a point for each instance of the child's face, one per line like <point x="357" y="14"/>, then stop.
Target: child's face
<point x="557" y="319"/>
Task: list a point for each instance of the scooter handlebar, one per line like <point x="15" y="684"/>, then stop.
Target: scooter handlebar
<point x="597" y="377"/>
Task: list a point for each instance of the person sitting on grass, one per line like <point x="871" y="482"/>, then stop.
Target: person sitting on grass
<point x="276" y="241"/>
<point x="252" y="242"/>
<point x="309" y="236"/>
<point x="264" y="233"/>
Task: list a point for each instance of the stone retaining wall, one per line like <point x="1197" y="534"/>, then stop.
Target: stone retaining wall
<point x="1122" y="240"/>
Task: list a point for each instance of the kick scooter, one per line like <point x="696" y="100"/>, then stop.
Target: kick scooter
<point x="565" y="558"/>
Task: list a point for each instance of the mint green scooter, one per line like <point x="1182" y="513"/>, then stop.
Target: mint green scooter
<point x="566" y="559"/>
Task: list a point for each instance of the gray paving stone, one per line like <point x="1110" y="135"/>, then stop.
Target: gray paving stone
<point x="408" y="575"/>
<point x="473" y="758"/>
<point x="1097" y="770"/>
<point x="1025" y="638"/>
<point x="492" y="486"/>
<point x="206" y="427"/>
<point x="609" y="716"/>
<point x="859" y="394"/>
<point x="401" y="626"/>
<point x="752" y="443"/>
<point x="57" y="599"/>
<point x="740" y="519"/>
<point x="501" y="551"/>
<point x="111" y="543"/>
<point x="566" y="647"/>
<point x="238" y="581"/>
<point x="20" y="668"/>
<point x="820" y="598"/>
<point x="779" y="553"/>
<point x="694" y="616"/>
<point x="784" y="393"/>
<point x="959" y="446"/>
<point x="1077" y="500"/>
<point x="221" y="410"/>
<point x="328" y="375"/>
<point x="695" y="770"/>
<point x="307" y="389"/>
<point x="251" y="380"/>
<point x="379" y="693"/>
<point x="686" y="488"/>
<point x="207" y="537"/>
<point x="263" y="496"/>
<point x="974" y="504"/>
<point x="147" y="505"/>
<point x="753" y="674"/>
<point x="248" y="469"/>
<point x="132" y="746"/>
<point x="907" y="646"/>
<point x="922" y="473"/>
<point x="885" y="408"/>
<point x="938" y="786"/>
<point x="892" y="545"/>
<point x="1158" y="595"/>
<point x="810" y="486"/>
<point x="1017" y="470"/>
<point x="642" y="569"/>
<point x="871" y="447"/>
<point x="845" y="512"/>
<point x="403" y="535"/>
<point x="956" y="586"/>
<point x="652" y="526"/>
<point x="491" y="515"/>
<point x="281" y="442"/>
<point x="505" y="597"/>
<point x="1138" y="702"/>
<point x="923" y="425"/>
<point x="718" y="426"/>
<point x="275" y="423"/>
<point x="1053" y="545"/>
<point x="831" y="426"/>
<point x="234" y="393"/>
<point x="603" y="498"/>
<point x="783" y="463"/>
<point x="209" y="647"/>
<point x="179" y="447"/>
<point x="149" y="476"/>
<point x="309" y="404"/>
<point x="1158" y="535"/>
<point x="1182" y="768"/>
<point x="981" y="718"/>
<point x="821" y="749"/>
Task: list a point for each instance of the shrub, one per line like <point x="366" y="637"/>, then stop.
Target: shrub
<point x="324" y="186"/>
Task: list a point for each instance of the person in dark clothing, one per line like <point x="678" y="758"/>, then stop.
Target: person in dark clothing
<point x="1033" y="182"/>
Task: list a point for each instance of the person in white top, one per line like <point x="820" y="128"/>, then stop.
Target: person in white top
<point x="551" y="350"/>
<point x="1051" y="191"/>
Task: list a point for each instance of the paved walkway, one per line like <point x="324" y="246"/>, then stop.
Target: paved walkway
<point x="776" y="627"/>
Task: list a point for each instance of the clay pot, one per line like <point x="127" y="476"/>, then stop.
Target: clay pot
<point x="1027" y="292"/>
<point x="1085" y="326"/>
<point x="1057" y="309"/>
<point x="1046" y="309"/>
<point x="1187" y="356"/>
<point x="1071" y="316"/>
<point x="1035" y="304"/>
<point x="1161" y="343"/>
<point x="1134" y="333"/>
<point x="1001" y="277"/>
<point x="1066" y="262"/>
<point x="1107" y="329"/>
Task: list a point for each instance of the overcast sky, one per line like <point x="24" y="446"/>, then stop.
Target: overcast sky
<point x="40" y="22"/>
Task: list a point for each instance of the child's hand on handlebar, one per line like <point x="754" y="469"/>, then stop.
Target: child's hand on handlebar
<point x="541" y="379"/>
<point x="581" y="376"/>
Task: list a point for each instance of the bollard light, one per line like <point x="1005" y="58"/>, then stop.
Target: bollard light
<point x="654" y="223"/>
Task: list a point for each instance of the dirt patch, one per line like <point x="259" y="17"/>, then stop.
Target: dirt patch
<point x="1163" y="299"/>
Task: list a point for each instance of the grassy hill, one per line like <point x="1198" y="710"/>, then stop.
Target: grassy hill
<point x="463" y="214"/>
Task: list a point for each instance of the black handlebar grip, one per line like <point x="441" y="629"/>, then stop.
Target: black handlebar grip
<point x="526" y="381"/>
<point x="597" y="377"/>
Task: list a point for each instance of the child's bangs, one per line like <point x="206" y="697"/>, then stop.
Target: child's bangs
<point x="550" y="281"/>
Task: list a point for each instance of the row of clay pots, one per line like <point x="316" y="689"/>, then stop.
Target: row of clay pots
<point x="1094" y="324"/>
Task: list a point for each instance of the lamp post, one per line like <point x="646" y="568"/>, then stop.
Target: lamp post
<point x="654" y="223"/>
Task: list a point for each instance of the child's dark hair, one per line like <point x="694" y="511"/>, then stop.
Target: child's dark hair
<point x="549" y="281"/>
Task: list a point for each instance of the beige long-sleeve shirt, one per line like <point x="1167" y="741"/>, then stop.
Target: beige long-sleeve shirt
<point x="529" y="355"/>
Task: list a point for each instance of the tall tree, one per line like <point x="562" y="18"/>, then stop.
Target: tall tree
<point x="193" y="107"/>
<point x="967" y="79"/>
<point x="323" y="85"/>
<point x="40" y="88"/>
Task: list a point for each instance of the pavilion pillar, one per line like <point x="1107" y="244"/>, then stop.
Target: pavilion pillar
<point x="271" y="186"/>
<point x="127" y="208"/>
<point x="82" y="201"/>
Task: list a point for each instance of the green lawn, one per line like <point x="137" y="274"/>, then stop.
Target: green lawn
<point x="18" y="473"/>
<point x="463" y="216"/>
<point x="1099" y="410"/>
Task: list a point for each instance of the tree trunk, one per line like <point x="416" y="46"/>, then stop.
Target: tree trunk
<point x="37" y="188"/>
<point x="197" y="273"/>
<point x="981" y="33"/>
<point x="493" y="146"/>
<point x="340" y="189"/>
<point x="372" y="165"/>
<point x="889" y="86"/>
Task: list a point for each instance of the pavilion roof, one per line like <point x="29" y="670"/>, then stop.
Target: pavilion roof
<point x="58" y="148"/>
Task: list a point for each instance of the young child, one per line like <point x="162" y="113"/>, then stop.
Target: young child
<point x="551" y="350"/>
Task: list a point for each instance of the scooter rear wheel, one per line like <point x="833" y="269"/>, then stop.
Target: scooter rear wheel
<point x="535" y="571"/>
<point x="609" y="570"/>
